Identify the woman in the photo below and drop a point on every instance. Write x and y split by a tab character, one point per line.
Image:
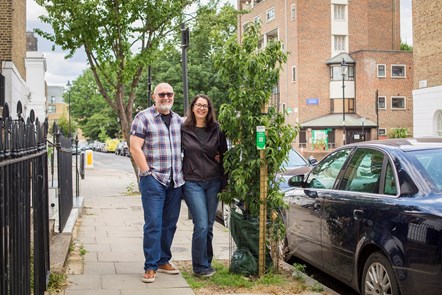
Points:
204	146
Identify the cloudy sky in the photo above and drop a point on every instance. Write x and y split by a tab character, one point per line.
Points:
61	70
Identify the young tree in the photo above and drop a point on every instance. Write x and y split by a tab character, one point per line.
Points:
118	38
252	74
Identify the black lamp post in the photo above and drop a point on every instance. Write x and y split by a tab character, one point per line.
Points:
69	108
344	68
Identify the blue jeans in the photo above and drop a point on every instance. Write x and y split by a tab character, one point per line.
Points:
202	201
161	207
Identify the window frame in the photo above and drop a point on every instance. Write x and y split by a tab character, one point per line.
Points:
404	100
341	13
382	131
52	109
257	19
385	70
293	12
341	42
398	76
271	17
385	102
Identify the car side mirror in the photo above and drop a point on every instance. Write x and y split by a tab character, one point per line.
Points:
312	161
296	181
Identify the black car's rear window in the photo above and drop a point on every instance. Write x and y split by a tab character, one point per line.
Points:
430	162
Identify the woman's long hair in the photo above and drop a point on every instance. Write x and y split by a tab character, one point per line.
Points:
210	118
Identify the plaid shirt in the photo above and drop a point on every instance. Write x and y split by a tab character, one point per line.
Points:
162	146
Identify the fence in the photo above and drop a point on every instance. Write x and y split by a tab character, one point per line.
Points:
24	218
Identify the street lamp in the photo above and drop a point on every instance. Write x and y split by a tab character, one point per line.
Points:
344	68
69	108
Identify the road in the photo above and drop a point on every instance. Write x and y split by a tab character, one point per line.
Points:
110	161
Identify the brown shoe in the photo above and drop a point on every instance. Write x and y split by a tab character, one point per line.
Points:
149	276
168	268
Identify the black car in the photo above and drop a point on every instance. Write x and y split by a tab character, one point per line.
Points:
370	215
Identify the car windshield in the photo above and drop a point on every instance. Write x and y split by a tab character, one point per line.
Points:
431	162
294	160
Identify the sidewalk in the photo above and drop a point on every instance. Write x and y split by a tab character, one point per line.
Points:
110	230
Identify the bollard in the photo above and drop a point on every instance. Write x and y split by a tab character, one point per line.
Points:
89	159
82	159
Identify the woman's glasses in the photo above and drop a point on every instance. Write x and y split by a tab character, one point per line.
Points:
201	106
163	94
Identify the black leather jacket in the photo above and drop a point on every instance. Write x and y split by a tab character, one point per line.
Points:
199	161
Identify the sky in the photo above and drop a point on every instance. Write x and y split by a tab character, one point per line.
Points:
61	70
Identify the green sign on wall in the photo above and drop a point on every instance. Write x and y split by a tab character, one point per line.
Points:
260	137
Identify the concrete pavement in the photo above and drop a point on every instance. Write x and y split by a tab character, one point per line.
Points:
110	230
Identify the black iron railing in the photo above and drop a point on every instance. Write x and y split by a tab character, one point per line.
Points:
24	219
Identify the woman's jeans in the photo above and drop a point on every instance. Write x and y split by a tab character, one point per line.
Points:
161	207
202	201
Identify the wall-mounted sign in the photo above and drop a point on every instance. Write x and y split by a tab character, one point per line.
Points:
312	101
260	137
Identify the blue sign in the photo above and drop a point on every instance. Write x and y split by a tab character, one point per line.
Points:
313	101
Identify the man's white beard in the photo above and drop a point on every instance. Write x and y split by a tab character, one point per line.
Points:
165	107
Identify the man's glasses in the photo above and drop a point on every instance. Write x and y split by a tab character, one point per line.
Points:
163	94
202	106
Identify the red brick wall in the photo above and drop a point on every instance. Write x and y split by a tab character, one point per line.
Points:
13	33
367	83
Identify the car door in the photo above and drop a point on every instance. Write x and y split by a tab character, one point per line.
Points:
303	225
345	208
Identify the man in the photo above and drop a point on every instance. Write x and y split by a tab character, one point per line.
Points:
155	145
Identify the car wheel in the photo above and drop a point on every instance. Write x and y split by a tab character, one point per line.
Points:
378	276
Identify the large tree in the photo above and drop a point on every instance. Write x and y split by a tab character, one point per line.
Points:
118	38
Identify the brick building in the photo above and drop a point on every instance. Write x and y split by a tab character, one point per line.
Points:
427	58
319	35
12	54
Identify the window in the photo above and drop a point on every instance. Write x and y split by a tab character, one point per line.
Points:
260	44
381	102
293	73
398	103
381	71
364	172
270	14
258	19
283	108
52	109
439	124
339	43
293	12
325	173
335	73
398	71
382	132
339	12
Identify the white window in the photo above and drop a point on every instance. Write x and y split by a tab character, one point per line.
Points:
339	43
260	44
439	124
381	71
398	71
294	73
270	14
398	103
245	25
382	132
339	12
258	19
381	103
293	12
51	109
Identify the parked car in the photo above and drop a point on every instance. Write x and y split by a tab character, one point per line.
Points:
370	215
296	164
122	149
76	150
110	145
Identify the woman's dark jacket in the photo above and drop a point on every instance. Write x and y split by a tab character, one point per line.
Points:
199	161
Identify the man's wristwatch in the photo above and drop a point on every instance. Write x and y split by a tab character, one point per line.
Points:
145	173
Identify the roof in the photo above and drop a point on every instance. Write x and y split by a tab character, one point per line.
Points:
337	59
410	144
335	121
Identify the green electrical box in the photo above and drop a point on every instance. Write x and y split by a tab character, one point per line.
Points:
260	137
